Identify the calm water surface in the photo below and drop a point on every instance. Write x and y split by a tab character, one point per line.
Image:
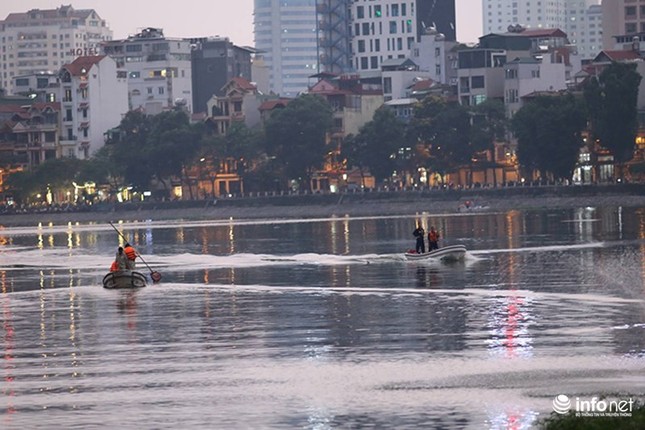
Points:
321	324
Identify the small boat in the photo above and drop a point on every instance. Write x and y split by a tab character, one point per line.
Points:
124	279
447	253
471	206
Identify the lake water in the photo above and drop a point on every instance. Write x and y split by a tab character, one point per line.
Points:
321	323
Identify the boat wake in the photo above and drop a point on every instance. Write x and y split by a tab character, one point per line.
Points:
24	258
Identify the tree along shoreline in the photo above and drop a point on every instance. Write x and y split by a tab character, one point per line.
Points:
372	203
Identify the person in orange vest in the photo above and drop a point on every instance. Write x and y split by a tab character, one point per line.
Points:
131	255
433	239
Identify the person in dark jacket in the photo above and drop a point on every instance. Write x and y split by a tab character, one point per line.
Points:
420	233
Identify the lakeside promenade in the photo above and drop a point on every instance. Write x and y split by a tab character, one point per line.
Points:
359	203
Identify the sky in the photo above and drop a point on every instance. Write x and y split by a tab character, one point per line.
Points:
203	18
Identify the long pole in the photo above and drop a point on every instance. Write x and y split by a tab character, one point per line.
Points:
154	275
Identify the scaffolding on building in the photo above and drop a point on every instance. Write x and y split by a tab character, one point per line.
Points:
334	20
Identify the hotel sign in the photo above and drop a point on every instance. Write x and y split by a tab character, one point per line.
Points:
84	52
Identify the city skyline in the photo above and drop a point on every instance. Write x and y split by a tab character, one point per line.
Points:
235	21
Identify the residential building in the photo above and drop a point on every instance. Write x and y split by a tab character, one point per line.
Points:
93	95
29	133
380	30
215	61
621	18
41	87
530	75
354	100
584	26
398	75
482	73
580	19
435	54
240	103
587	34
387	29
286	35
44	40
159	71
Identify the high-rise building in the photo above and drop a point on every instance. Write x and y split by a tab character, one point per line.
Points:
159	70
286	36
580	19
622	18
215	61
388	29
44	40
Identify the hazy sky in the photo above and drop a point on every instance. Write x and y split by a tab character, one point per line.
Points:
200	18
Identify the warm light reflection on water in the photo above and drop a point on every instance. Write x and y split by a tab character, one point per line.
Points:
322	323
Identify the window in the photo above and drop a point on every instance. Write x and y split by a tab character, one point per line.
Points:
392	27
361	46
387	85
360	12
464	85
481	98
477	82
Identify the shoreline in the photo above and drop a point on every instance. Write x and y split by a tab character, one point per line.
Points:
395	206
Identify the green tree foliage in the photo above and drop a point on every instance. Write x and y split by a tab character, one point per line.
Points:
488	124
612	102
240	143
55	174
296	136
444	127
157	146
548	130
376	145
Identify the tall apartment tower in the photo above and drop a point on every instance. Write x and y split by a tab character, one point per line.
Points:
286	36
622	18
44	40
159	70
578	18
387	29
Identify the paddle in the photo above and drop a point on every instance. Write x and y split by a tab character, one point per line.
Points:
154	275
